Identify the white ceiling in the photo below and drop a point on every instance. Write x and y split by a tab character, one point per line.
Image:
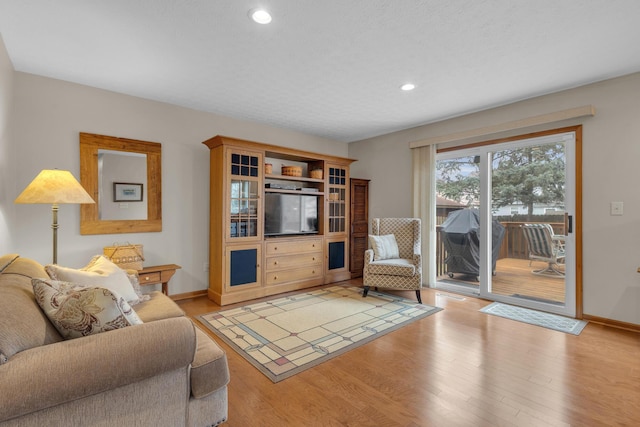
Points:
331	68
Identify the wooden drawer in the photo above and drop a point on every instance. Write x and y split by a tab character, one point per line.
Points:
303	273
292	261
289	247
149	278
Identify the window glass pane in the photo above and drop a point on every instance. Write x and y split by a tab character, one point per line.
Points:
253	189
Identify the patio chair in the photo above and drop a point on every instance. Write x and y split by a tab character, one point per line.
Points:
394	261
557	239
541	247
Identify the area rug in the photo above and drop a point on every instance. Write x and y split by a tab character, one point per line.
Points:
288	335
534	317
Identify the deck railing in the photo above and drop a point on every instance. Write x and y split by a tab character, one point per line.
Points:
513	245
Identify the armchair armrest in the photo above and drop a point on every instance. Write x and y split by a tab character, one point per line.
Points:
417	261
53	374
368	257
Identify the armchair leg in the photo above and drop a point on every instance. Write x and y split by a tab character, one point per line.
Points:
366	291
419	296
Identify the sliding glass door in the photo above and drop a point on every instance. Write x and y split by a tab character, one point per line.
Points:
505	214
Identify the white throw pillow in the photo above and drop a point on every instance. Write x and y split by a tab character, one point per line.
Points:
99	272
77	311
384	247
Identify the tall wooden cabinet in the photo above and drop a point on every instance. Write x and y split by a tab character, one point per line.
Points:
245	263
337	232
359	225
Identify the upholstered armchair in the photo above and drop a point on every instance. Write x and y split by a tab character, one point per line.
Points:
394	260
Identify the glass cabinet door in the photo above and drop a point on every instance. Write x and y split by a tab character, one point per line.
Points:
337	199
244	191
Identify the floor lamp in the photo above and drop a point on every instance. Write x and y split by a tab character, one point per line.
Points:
54	187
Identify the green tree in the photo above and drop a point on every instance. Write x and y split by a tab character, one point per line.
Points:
529	175
458	179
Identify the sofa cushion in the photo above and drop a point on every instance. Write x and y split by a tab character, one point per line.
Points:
393	267
98	272
23	325
384	247
78	311
209	370
158	307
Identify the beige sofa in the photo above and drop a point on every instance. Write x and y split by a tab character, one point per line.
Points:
165	372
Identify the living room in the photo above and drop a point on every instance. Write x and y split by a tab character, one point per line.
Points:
41	118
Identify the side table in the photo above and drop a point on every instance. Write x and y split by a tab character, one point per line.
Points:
158	274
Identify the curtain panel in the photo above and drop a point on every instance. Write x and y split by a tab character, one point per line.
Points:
424	206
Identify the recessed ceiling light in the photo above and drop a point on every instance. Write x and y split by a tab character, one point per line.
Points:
408	86
260	16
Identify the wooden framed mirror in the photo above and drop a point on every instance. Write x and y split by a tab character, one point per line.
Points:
111	214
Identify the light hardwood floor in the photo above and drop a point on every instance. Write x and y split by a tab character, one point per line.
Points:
458	367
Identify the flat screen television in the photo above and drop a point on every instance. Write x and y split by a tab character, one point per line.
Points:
290	214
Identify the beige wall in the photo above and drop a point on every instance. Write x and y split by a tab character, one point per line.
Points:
49	114
611	149
7	166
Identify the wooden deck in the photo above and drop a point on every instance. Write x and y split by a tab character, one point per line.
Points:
515	277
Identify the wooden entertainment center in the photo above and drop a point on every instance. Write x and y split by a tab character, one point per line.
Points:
244	263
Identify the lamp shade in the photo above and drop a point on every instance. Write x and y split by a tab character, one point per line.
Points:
54	186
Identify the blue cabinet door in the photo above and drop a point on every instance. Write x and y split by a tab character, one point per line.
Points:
243	267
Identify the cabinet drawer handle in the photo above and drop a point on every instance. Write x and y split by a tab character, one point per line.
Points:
275	248
275	263
313	272
275	277
313	258
147	278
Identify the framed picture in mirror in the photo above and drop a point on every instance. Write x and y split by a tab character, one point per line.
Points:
127	192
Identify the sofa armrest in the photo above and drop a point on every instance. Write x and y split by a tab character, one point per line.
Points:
53	374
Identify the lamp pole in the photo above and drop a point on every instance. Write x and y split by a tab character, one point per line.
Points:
54	226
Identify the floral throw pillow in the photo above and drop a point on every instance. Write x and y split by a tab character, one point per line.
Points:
77	311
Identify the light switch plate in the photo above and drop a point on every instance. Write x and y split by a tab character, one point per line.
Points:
617	208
